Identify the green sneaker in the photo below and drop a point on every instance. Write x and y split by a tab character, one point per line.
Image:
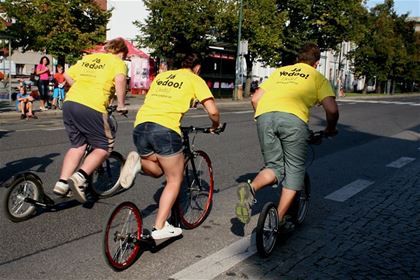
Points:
286	223
246	200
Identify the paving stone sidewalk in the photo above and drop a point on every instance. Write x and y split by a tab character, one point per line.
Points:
375	235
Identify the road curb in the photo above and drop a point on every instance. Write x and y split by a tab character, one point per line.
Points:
133	104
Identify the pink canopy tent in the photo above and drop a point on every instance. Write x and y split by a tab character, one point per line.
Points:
132	50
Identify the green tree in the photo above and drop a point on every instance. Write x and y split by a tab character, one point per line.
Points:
325	22
406	63
387	49
61	28
274	29
263	27
174	27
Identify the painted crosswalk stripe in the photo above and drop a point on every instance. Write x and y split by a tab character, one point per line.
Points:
219	262
54	128
380	102
401	162
349	190
243	112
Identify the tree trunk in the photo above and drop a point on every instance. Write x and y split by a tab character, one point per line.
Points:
247	90
61	60
379	87
364	90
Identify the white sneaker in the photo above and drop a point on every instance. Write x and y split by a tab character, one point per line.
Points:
167	231
78	184
131	167
61	188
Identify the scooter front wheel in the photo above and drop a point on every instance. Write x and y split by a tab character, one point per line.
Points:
121	235
267	230
21	191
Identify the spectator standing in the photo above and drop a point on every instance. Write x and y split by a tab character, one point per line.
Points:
43	72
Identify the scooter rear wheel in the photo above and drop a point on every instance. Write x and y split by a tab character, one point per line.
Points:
267	230
105	179
300	205
15	203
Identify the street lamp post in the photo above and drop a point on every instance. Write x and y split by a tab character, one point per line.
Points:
238	54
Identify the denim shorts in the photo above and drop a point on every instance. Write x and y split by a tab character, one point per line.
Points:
151	138
283	140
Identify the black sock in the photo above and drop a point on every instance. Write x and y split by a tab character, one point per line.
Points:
63	181
81	171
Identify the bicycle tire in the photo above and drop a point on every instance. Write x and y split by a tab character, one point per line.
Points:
121	235
113	123
267	230
16	209
60	103
300	206
196	194
105	179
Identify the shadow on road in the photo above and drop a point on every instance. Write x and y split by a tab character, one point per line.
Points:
26	164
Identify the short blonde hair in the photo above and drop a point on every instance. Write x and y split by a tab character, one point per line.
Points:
116	46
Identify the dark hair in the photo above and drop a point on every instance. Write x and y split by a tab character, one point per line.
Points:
42	58
59	66
309	54
116	46
191	60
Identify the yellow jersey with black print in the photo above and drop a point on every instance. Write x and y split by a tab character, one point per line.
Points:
170	96
293	89
93	77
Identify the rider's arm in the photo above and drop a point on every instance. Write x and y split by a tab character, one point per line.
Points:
69	80
331	113
256	97
212	111
120	88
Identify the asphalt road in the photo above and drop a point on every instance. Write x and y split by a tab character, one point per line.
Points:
67	244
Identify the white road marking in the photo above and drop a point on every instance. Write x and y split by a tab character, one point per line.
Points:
401	162
217	263
224	113
352	101
54	128
243	112
407	135
349	190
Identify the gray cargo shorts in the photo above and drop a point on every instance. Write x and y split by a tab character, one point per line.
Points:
283	141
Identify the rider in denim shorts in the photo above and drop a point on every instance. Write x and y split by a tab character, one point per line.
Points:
158	138
152	138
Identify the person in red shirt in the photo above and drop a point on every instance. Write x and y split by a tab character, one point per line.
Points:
59	83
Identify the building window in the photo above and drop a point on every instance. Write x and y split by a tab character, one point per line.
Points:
19	69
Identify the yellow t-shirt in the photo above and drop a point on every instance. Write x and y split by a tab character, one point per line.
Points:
293	89
170	96
93	77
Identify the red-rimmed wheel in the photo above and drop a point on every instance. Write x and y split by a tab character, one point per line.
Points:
195	198
121	236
